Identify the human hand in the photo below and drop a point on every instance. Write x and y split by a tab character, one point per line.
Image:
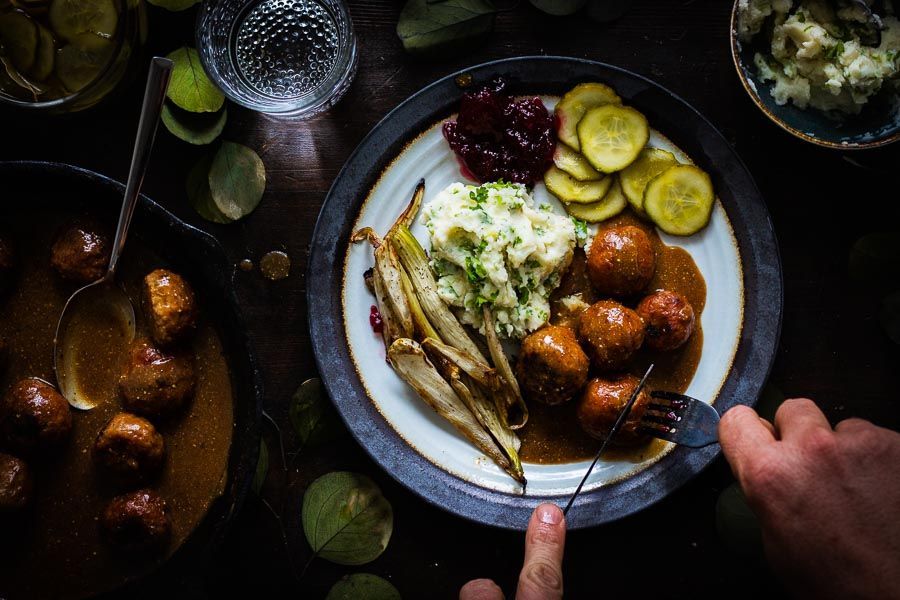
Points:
541	576
828	499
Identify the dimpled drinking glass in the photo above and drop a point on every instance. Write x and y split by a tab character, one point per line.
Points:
291	58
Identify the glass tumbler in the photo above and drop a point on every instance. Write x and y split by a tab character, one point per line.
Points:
291	58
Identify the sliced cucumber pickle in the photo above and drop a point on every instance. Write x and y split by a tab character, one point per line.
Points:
680	200
76	67
574	164
609	206
577	101
19	39
568	189
635	177
88	24
612	136
44	55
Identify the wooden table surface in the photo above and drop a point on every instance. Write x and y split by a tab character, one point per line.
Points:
832	348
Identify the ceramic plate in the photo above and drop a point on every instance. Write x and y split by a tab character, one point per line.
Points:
736	254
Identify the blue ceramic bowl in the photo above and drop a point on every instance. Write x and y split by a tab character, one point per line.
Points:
877	125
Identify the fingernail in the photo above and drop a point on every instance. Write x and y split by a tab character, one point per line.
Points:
550	514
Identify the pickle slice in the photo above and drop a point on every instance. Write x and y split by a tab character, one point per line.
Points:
88	24
44	55
649	163
76	67
609	206
574	164
612	136
680	199
568	189
571	108
19	39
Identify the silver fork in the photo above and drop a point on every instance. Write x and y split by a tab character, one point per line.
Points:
680	419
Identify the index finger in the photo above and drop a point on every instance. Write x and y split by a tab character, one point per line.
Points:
742	435
541	577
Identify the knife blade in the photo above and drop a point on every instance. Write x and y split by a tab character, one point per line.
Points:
612	432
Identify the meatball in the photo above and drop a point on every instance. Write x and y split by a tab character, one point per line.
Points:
129	448
621	261
611	333
169	306
7	263
156	382
16	483
603	401
552	366
34	416
81	253
669	318
137	521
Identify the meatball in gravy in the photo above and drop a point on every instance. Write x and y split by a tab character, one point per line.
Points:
669	318
16	484
611	334
81	253
169	305
129	448
621	261
34	416
156	382
137	521
552	366
603	401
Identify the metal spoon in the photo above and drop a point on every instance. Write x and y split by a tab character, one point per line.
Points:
104	298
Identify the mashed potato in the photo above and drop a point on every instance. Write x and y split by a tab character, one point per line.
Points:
816	56
491	245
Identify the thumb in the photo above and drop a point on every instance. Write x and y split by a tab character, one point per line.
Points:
541	577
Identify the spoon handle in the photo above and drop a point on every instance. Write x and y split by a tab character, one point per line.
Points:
154	96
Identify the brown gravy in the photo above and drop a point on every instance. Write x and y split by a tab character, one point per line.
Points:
54	550
553	434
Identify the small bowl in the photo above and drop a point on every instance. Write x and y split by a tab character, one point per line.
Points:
877	125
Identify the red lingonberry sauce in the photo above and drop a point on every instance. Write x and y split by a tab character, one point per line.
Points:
375	320
497	137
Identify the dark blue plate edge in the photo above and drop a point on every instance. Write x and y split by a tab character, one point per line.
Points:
755	354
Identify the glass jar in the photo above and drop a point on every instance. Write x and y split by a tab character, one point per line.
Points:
54	59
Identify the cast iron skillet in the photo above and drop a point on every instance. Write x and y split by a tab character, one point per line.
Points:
669	114
204	262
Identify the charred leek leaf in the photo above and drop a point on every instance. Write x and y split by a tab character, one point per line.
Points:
515	411
410	362
482	373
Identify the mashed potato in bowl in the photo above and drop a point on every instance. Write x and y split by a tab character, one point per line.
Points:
816	57
491	245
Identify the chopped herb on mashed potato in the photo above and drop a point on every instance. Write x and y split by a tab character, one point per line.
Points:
816	56
491	245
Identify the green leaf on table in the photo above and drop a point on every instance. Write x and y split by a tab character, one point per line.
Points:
199	194
363	586
194	128
346	519
174	5
189	87
442	28
889	316
312	415
738	527
559	7
262	467
875	261
237	180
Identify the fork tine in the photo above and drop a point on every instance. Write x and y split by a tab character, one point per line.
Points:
666	420
665	408
663	434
